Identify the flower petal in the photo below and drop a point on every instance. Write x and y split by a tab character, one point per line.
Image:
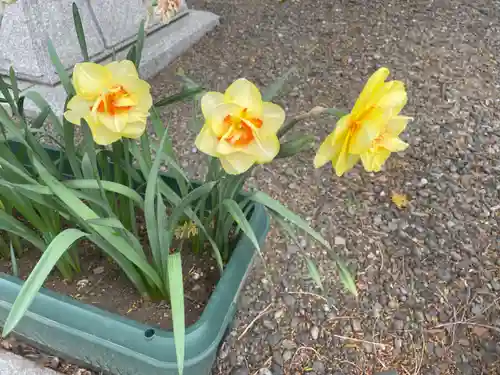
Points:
332	145
264	149
397	124
121	70
78	108
102	135
137	116
394	98
374	83
245	94
237	163
394	144
90	80
345	160
325	152
273	117
115	123
209	101
374	160
206	141
362	139
134	130
140	92
219	113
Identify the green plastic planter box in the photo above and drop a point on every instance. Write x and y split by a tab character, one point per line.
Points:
116	345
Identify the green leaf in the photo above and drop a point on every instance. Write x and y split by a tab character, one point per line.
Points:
139	45
149	205
167	152
295	146
346	278
313	272
176	289
83	213
336	112
274	88
183	95
44	106
108	186
276	206
132	54
189	199
63	74
239	217
37	277
13	260
109	222
13	83
285	225
4	89
128	268
80	33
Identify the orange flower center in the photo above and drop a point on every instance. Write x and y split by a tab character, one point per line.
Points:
114	102
240	128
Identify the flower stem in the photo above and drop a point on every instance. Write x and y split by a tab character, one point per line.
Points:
316	111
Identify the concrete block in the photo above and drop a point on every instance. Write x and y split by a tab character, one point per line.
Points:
11	364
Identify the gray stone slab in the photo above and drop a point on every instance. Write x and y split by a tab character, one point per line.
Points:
28	25
119	20
11	364
160	49
126	17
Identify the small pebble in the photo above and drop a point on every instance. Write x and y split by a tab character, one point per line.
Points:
288	344
98	270
287	355
314	332
339	241
356	325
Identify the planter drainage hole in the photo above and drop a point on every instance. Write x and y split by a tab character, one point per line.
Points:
149	333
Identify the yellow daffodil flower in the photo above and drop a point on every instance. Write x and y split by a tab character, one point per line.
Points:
379	103
388	141
240	129
112	98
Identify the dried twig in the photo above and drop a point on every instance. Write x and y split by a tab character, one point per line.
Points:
383	346
318	356
261	314
310	294
466	322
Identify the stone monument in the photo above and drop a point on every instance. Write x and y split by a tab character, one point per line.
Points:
110	27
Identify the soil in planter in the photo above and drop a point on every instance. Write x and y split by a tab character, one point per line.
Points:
101	283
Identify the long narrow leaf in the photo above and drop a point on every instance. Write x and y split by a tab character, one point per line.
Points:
108	186
346	278
63	74
109	222
176	289
183	95
313	272
12	225
130	270
149	205
276	206
83	212
80	33
13	260
139	45
239	217
13	84
167	152
270	92
37	277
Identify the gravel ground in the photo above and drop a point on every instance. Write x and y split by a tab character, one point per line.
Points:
429	274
